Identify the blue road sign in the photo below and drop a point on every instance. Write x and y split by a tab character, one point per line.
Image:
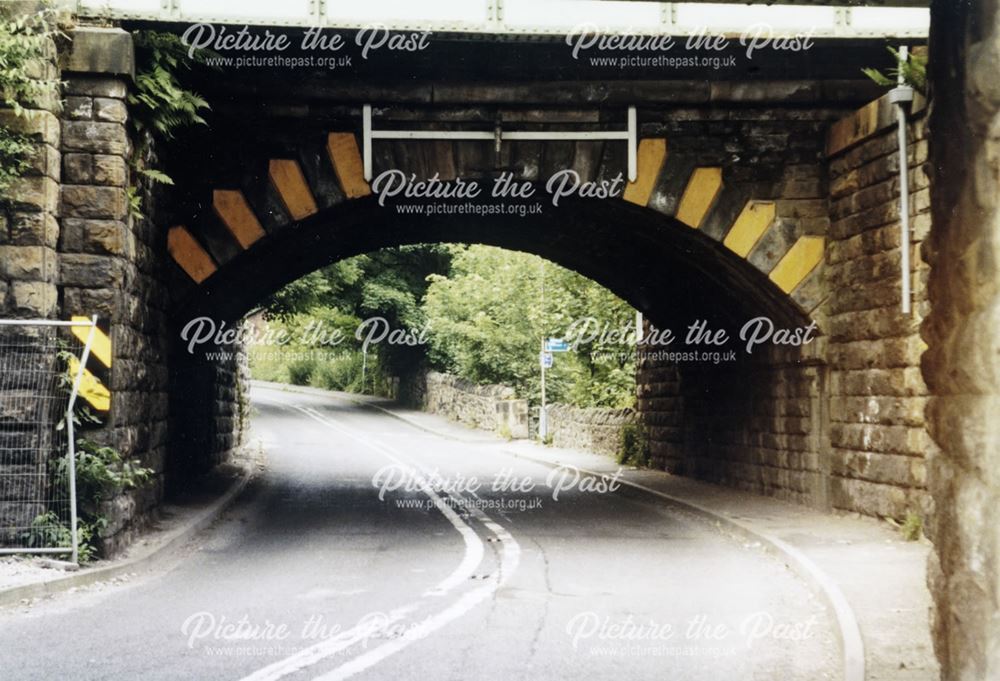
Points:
556	345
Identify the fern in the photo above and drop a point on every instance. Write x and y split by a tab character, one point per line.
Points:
156	176
160	105
913	68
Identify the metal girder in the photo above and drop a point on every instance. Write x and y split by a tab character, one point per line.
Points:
520	18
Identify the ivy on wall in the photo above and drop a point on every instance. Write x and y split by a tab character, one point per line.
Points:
24	45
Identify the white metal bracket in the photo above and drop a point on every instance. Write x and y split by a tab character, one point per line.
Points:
498	136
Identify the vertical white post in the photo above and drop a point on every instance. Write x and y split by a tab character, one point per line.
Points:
71	437
543	417
633	152
543	420
366	140
904	194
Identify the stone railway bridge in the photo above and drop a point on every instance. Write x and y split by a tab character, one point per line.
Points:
772	189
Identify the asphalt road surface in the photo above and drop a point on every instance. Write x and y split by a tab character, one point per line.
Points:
371	549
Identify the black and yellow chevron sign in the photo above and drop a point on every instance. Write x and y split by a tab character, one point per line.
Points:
97	373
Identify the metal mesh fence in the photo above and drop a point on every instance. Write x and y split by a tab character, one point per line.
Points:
36	498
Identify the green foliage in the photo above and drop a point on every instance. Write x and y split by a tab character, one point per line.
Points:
913	69
487	321
48	530
505	432
24	43
483	308
15	149
134	202
101	473
343	372
913	526
159	105
389	283
634	450
300	371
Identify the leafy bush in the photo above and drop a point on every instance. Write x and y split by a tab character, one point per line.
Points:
487	318
160	104
101	473
48	530
634	450
300	371
343	373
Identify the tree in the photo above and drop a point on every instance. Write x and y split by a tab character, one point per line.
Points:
487	321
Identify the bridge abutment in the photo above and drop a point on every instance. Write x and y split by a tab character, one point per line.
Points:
962	362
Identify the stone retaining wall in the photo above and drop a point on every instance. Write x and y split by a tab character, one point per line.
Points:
878	439
489	407
593	429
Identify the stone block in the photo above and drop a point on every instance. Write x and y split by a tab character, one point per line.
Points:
44	160
42	126
110	170
97	137
96	86
102	237
78	108
89	271
33	298
104	302
100	50
27	263
109	109
34	229
35	193
84	201
99	169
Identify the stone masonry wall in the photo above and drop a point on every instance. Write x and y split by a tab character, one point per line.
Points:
592	430
490	407
107	267
962	361
878	442
752	424
29	234
69	245
839	424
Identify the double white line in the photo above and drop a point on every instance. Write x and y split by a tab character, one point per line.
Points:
474	552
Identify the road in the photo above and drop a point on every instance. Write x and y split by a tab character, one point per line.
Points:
371	549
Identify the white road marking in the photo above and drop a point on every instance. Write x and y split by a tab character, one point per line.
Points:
508	564
472	558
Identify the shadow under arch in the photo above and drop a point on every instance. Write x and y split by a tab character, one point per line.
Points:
672	273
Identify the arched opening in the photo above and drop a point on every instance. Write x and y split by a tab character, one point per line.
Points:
661	266
750	420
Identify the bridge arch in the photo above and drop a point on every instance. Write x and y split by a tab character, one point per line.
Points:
681	242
